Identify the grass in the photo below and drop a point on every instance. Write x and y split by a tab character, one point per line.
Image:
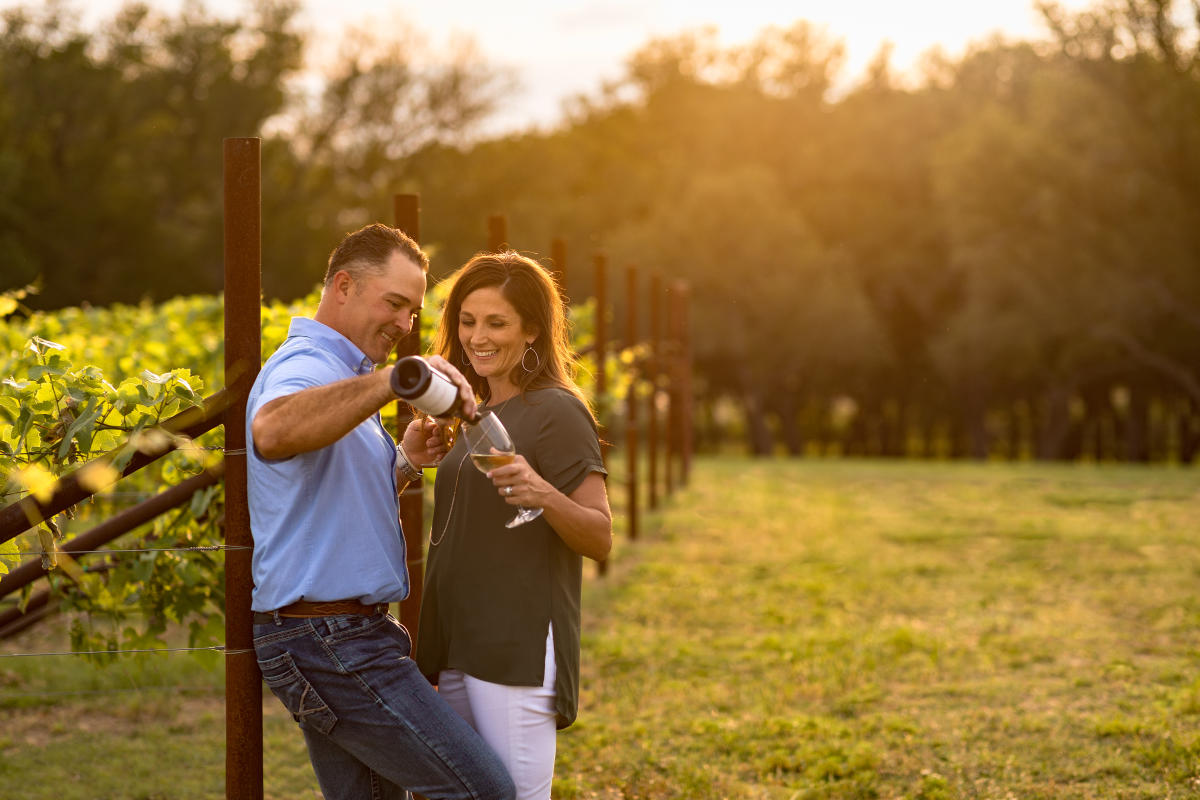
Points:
900	630
786	629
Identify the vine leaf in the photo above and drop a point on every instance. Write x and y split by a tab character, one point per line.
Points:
40	345
49	545
10	556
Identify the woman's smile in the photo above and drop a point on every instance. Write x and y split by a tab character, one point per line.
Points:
493	336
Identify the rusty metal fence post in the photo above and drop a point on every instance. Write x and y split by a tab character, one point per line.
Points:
631	402
558	268
600	280
406	209
243	358
497	233
653	360
685	381
674	396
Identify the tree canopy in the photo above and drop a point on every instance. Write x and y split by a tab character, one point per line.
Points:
1016	230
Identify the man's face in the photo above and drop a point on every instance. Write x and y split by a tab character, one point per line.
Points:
379	309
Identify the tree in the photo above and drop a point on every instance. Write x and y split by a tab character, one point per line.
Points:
1066	196
774	317
114	140
1145	57
342	153
110	151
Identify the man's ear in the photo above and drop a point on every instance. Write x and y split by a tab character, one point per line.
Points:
342	285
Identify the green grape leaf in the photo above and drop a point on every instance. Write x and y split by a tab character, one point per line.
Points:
82	424
10	556
10	408
39	345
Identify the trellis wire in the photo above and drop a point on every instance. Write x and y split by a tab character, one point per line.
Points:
220	648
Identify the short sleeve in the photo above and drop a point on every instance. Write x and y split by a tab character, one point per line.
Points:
291	372
568	446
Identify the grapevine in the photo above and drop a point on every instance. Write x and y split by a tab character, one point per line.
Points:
81	383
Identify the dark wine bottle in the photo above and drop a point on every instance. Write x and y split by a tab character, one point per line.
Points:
427	389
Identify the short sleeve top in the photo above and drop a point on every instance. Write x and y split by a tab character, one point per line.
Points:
491	592
325	522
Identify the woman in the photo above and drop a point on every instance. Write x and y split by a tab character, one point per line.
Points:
499	624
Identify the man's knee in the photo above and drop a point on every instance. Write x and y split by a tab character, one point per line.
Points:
500	784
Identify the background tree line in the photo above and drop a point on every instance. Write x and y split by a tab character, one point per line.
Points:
1000	256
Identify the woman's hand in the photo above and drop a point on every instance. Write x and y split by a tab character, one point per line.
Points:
519	485
581	519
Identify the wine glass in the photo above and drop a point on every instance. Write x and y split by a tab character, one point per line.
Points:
490	447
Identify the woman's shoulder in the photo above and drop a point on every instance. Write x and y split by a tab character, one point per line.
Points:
557	402
555	397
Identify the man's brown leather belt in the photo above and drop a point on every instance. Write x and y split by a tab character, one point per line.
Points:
329	608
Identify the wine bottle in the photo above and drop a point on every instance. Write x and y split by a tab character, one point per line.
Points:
427	389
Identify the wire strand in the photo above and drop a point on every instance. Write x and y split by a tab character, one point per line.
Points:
155	688
220	648
205	548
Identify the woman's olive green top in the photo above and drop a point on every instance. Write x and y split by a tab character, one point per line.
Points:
492	592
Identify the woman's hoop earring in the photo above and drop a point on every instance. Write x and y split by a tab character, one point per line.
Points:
465	359
538	359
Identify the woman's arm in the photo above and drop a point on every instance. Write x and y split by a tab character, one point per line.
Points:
581	519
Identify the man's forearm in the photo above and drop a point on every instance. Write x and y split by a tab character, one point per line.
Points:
314	418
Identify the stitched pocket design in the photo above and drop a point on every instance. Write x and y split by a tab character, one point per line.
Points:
297	695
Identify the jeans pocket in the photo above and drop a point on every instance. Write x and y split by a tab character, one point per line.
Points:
295	692
363	645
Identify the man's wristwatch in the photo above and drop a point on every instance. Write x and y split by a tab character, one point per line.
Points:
407	468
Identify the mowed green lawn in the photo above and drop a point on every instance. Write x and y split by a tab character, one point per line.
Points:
786	629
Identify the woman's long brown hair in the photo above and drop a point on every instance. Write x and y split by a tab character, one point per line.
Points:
533	293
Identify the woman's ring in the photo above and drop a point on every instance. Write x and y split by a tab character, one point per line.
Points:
508	491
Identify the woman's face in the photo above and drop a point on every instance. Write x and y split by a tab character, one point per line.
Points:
492	333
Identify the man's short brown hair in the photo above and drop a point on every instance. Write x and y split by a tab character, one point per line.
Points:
366	251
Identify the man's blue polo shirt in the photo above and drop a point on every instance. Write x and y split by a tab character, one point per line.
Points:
326	523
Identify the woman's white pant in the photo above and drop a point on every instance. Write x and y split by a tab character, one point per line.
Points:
518	722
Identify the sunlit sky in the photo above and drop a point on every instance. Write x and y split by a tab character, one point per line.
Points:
558	48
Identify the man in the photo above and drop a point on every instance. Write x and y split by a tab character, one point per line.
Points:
328	550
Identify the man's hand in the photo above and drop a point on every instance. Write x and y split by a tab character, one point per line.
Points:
423	441
464	387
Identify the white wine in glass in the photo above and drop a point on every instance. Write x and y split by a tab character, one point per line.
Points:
486	462
490	447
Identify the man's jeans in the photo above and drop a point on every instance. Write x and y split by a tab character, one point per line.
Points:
375	728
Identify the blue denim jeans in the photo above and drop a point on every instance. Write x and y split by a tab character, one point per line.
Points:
374	726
